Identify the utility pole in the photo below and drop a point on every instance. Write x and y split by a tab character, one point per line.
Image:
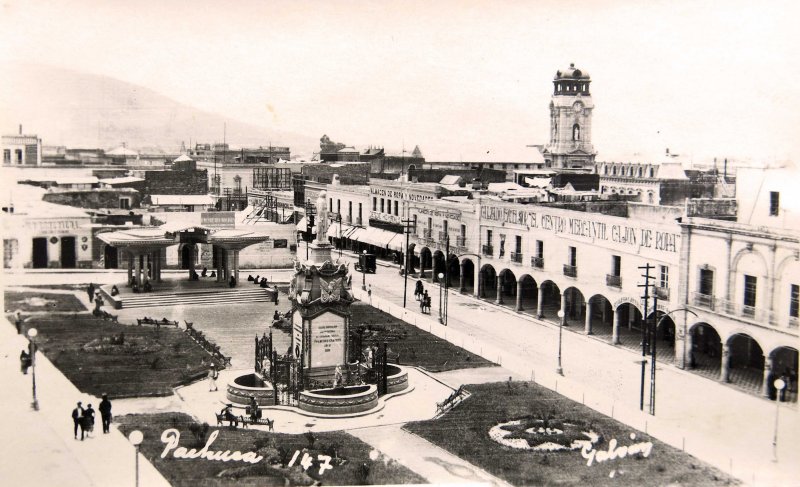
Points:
653	340
645	327
310	212
409	223
446	276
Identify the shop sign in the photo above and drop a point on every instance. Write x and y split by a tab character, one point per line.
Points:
400	194
218	219
55	227
449	214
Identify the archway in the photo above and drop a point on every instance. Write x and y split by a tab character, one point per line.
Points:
745	363
110	257
453	271
467	276
438	265
705	350
425	261
600	316
528	293
575	307
488	285
508	288
664	338
630	326
412	262
551	300
784	365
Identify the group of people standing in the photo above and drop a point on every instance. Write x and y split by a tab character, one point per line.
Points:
421	295
83	418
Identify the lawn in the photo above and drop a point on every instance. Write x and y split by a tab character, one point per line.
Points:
353	462
529	435
415	346
33	301
122	361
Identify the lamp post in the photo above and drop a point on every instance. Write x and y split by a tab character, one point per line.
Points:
561	315
779	384
441	314
653	355
136	438
32	332
364	270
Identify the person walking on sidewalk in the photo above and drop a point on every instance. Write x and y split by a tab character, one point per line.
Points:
105	412
369	293
90	292
213	375
24	361
88	420
418	290
18	321
77	418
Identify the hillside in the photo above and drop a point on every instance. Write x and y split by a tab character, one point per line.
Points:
84	110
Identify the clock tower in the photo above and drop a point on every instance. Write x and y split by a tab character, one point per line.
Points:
571	106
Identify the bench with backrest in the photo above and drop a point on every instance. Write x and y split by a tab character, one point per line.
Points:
156	323
451	401
248	420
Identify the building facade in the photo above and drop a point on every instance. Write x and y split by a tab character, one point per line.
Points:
571	107
21	150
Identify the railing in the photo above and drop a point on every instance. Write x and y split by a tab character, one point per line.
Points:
347	220
570	270
662	293
358	222
612	280
488	250
793	322
537	262
516	257
461	241
426	233
442	237
750	313
703	300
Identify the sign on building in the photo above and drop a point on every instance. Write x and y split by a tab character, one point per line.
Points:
218	219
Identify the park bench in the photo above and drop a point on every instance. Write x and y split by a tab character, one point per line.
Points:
156	323
216	353
247	420
108	316
221	418
452	400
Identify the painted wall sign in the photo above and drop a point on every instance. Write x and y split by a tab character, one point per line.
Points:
400	194
385	217
591	230
327	340
218	219
60	227
449	214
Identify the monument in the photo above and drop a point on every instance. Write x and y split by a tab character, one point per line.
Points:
324	371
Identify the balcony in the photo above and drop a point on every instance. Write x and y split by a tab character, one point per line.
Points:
703	300
443	237
537	262
570	270
358	222
611	280
348	219
426	234
461	241
488	250
662	293
793	322
516	257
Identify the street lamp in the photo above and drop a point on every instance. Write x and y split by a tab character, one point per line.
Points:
561	315
779	384
136	438
32	332
364	271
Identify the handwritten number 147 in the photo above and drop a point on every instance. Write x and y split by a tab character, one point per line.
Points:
307	461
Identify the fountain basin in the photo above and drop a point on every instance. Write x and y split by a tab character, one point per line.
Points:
340	400
396	379
243	387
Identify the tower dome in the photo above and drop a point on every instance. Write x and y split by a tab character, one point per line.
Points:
571	73
571	81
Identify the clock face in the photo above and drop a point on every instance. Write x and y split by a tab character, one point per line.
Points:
578	108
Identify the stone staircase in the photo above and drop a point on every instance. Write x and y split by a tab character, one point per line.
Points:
200	297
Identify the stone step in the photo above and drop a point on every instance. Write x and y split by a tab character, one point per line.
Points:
217	297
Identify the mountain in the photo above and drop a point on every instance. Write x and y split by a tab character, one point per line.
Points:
85	110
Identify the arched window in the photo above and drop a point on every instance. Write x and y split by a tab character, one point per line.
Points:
605	170
614	171
651	172
640	172
650	197
576	132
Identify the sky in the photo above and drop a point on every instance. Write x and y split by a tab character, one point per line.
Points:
464	80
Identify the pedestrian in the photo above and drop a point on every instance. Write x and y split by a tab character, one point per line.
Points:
418	290
90	292
77	418
425	301
213	375
24	361
421	305
105	412
18	321
369	293
88	419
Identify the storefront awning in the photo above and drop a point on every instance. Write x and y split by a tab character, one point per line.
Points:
375	236
333	230
301	226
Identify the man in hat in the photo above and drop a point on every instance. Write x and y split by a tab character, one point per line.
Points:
105	412
213	375
227	413
77	419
